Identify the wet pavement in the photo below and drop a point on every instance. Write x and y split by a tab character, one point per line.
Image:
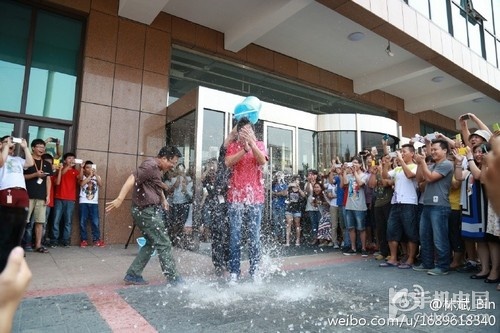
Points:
306	289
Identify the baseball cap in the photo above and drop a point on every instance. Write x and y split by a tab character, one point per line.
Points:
481	133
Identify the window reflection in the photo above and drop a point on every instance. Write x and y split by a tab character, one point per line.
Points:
484	8
213	134
336	143
180	133
464	27
52	84
475	37
439	13
421	6
306	150
14	25
489	42
459	25
6	128
372	139
11	86
51	94
279	148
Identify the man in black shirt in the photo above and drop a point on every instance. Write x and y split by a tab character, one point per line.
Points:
38	186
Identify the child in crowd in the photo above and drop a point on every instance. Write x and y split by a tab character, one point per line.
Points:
90	182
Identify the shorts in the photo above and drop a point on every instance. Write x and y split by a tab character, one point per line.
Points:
293	214
402	221
38	209
355	219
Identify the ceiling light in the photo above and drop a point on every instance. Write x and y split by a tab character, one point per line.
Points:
356	36
437	79
388	49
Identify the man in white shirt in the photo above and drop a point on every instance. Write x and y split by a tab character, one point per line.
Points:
403	215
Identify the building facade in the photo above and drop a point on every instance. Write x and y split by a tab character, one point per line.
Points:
80	72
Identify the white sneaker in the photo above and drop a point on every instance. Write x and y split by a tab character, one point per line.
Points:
233	279
336	245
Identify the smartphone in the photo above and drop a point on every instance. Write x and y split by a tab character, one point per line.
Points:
462	151
458	137
78	161
464	117
373	163
11	230
386	137
17	140
393	154
430	136
496	127
56	162
94	167
349	164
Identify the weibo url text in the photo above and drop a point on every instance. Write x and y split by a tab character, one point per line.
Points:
418	320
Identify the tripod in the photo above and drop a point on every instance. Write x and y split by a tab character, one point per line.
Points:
130	236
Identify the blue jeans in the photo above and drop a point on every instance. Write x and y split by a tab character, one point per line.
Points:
250	215
89	212
345	236
63	209
279	222
314	217
434	234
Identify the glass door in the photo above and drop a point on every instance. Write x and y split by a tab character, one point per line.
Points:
280	145
279	140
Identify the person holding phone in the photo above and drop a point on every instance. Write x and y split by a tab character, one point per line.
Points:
90	182
65	198
12	184
39	186
14	200
482	135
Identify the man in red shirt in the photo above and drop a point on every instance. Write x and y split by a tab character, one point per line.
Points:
245	195
65	198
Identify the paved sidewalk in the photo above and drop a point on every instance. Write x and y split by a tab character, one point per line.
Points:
304	289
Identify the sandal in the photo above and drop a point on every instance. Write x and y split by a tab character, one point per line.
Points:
387	264
42	250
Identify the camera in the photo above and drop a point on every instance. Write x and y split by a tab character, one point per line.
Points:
78	161
17	140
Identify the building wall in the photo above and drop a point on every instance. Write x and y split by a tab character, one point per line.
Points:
125	87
